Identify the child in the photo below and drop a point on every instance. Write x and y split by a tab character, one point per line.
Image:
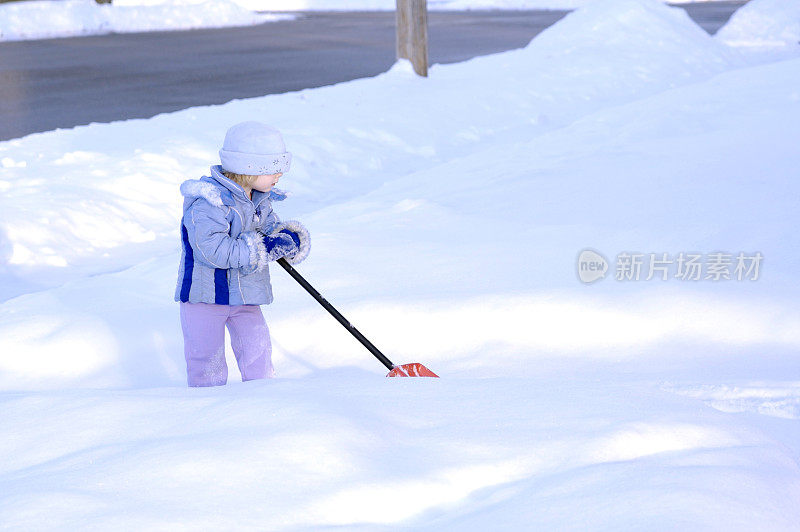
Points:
229	234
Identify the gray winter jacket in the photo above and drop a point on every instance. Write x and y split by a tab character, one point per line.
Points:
224	259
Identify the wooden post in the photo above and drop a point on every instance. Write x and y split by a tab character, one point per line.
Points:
412	33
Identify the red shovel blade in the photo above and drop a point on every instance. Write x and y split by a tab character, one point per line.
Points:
415	369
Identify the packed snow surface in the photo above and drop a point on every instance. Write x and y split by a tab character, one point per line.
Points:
447	215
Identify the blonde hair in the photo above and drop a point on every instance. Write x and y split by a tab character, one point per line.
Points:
243	180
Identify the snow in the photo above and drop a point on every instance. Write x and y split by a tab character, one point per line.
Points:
764	23
446	216
44	19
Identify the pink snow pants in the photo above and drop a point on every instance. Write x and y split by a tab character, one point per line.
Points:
204	342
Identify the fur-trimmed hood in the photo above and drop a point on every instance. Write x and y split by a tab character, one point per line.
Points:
218	190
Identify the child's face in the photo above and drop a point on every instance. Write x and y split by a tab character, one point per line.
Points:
264	183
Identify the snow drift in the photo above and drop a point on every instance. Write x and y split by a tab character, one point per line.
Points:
763	23
447	214
41	19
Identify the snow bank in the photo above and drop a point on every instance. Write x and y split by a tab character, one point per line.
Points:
446	214
41	19
763	23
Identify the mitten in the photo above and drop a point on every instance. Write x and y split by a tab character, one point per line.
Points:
294	236
280	245
300	237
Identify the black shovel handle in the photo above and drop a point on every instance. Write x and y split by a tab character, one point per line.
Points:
335	313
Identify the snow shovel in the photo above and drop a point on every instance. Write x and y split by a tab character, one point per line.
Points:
414	369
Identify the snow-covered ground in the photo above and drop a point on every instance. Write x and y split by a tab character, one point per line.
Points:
44	19
41	19
766	23
446	215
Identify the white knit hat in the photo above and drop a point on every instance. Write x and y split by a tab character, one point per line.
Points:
253	148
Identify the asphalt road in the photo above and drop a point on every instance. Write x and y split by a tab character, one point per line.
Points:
60	83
